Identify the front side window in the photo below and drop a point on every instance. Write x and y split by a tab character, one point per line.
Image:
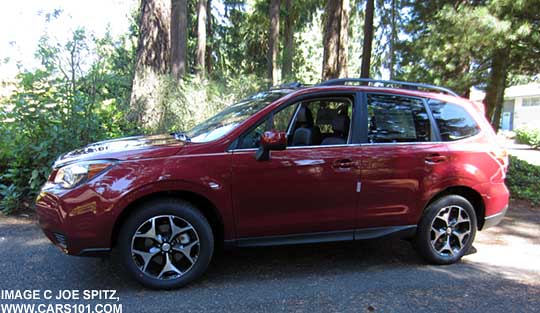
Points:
395	118
228	119
314	122
453	121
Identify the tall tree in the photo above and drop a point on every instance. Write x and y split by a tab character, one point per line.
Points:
335	39
152	61
178	37
210	38
288	47
200	53
273	42
368	39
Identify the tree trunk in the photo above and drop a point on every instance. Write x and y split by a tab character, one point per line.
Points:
152	62
178	37
335	39
343	39
368	39
288	51
273	42
200	53
210	36
496	86
393	37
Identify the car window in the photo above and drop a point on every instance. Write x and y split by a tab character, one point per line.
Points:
279	121
314	123
453	121
394	118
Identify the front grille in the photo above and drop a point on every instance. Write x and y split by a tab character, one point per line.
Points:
60	240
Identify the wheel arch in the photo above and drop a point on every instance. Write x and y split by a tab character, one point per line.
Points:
468	193
204	205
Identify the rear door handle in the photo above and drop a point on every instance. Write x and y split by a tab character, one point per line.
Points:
435	158
345	163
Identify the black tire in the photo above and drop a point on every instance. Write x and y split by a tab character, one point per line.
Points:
182	211
437	247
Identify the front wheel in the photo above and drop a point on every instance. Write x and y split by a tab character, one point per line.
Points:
166	244
447	229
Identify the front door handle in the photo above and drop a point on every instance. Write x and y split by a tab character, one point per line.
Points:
344	163
435	158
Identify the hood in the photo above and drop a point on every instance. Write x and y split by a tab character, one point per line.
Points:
127	148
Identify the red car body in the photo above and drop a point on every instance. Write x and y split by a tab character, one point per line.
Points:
301	194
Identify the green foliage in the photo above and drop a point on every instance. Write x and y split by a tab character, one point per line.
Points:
60	106
523	180
184	104
528	136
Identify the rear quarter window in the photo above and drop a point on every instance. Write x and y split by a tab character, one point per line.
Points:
453	121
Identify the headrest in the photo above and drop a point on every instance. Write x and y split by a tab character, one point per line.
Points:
340	124
304	116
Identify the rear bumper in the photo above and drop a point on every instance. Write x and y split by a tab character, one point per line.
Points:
494	219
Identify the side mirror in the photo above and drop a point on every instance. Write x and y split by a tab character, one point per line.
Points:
271	140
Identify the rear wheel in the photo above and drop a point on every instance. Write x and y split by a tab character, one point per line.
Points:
447	230
166	244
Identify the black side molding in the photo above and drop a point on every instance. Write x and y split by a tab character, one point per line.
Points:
405	231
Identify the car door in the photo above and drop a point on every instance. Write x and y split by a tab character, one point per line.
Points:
301	190
400	160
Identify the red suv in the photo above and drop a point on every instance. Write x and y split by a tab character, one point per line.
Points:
292	165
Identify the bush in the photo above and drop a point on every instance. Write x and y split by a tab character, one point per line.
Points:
523	180
529	136
57	108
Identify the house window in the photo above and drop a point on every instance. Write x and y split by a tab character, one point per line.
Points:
531	102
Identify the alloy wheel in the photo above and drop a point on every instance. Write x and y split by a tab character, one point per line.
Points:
450	231
165	247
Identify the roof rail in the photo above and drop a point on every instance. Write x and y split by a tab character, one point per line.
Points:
291	85
344	81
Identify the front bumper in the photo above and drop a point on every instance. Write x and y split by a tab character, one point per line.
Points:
75	227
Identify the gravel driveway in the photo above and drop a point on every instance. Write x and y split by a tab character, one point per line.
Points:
501	274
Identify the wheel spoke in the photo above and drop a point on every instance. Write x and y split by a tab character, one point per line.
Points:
438	234
151	233
461	219
445	217
460	236
446	246
175	230
169	267
146	256
186	250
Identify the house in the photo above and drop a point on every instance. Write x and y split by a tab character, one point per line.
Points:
521	106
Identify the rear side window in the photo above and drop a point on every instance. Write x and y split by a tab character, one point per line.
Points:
454	121
395	118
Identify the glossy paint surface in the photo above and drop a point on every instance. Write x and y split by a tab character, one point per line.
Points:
298	190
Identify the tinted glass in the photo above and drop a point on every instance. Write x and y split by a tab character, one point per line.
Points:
227	120
453	120
397	119
280	122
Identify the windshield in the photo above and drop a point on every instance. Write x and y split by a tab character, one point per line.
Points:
225	121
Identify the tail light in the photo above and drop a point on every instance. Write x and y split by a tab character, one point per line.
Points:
501	155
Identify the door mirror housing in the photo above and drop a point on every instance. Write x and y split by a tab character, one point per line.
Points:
271	140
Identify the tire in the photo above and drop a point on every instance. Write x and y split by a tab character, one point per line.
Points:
172	255
447	230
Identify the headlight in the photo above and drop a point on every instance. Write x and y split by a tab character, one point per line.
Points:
72	175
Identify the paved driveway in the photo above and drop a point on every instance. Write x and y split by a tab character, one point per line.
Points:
502	274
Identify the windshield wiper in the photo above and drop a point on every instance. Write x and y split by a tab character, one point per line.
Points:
181	136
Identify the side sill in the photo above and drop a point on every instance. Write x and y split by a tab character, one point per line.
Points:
406	231
95	252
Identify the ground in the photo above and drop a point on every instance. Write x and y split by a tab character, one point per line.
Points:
501	274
